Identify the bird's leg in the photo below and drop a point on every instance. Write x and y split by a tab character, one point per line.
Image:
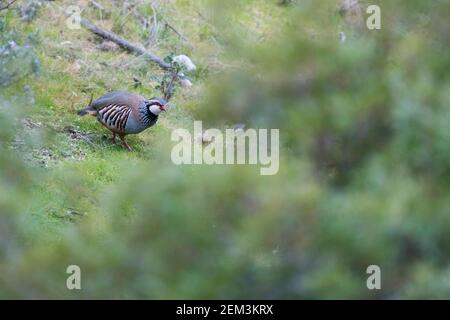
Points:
114	138
125	144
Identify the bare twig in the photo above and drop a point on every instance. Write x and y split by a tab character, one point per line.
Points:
75	212
168	91
153	31
74	134
174	30
7	5
97	5
154	20
124	44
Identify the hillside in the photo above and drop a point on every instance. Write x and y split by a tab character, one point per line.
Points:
363	159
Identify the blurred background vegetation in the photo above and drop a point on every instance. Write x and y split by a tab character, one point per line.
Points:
365	152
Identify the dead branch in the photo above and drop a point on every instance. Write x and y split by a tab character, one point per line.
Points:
153	31
7	5
124	43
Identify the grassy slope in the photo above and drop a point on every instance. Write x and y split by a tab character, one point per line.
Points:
73	68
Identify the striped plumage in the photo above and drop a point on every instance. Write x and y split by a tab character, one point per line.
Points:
114	117
125	113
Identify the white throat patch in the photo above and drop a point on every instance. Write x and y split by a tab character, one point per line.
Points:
154	108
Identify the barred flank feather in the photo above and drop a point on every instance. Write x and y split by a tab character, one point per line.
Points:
114	116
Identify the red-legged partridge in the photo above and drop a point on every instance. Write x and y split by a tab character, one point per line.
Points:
125	113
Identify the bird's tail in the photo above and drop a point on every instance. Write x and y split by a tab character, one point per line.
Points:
87	110
84	111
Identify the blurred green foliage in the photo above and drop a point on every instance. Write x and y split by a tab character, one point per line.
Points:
17	60
364	173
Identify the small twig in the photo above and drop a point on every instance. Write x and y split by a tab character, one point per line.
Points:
74	134
153	32
7	5
168	91
96	4
75	212
168	25
202	16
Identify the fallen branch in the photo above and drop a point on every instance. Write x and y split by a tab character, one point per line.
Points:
174	72
124	44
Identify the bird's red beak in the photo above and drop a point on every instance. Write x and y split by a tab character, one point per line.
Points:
163	108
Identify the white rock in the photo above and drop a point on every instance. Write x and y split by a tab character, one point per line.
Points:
186	83
186	61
